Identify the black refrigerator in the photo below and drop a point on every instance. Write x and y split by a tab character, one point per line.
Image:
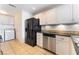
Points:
32	26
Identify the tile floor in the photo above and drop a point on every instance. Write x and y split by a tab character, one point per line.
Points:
14	47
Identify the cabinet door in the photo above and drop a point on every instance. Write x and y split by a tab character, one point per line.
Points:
62	48
40	39
51	16
41	17
64	13
62	45
76	12
47	17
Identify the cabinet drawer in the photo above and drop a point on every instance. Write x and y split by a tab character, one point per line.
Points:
62	38
64	13
62	48
62	45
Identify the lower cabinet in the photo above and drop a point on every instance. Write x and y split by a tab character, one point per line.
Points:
61	45
64	46
39	39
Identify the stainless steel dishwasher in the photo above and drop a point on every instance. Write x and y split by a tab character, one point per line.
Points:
49	42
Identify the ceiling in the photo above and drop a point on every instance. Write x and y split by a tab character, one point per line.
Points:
35	8
10	10
32	8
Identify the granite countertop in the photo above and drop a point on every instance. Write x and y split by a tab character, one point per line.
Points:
63	33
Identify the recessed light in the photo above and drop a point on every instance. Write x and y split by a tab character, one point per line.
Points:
33	8
3	12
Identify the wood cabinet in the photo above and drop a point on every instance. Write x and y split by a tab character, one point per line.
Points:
64	13
40	39
64	45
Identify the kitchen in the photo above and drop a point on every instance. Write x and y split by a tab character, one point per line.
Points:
57	30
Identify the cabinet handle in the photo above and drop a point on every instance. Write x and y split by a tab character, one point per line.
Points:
60	39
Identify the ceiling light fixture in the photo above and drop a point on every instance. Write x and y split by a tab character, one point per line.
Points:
33	8
3	12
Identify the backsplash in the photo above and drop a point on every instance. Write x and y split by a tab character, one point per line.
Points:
74	27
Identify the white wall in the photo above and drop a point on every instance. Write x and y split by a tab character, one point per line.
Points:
18	25
20	18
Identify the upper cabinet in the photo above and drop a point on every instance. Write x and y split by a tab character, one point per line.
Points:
47	17
41	16
51	16
76	12
64	13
